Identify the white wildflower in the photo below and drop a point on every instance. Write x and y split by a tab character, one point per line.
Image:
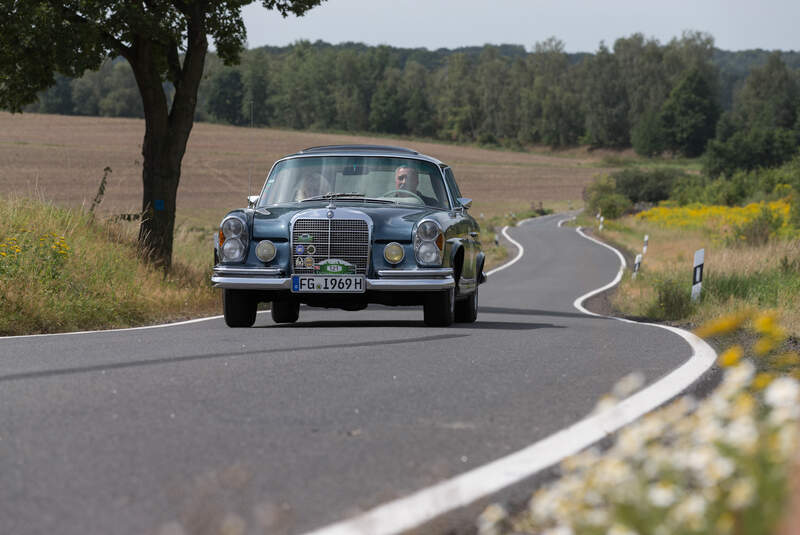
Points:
628	385
596	517
559	530
711	431
783	392
741	494
736	378
631	441
782	415
490	522
619	529
786	441
662	494
690	512
742	433
612	472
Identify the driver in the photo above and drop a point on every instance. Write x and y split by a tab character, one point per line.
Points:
407	178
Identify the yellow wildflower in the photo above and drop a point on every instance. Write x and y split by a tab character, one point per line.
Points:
731	356
762	380
765	345
719	326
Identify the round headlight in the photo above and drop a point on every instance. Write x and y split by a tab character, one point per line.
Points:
232	249
428	253
232	227
393	253
265	250
428	230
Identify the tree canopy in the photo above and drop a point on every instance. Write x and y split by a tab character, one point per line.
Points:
163	41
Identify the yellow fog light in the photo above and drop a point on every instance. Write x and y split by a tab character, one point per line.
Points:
265	250
393	253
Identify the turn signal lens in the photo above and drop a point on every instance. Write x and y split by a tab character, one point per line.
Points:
265	250
393	253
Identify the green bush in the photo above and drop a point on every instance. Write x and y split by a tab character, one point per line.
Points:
749	149
647	185
603	197
759	230
674	299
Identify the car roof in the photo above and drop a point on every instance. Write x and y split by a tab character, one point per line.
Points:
363	150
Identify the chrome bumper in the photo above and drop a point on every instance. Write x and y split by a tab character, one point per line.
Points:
239	278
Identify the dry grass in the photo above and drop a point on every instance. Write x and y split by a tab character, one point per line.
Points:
63	159
770	270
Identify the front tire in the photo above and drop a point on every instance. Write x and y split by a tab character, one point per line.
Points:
285	311
467	310
438	308
239	308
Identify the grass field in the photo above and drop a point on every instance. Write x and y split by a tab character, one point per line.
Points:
62	159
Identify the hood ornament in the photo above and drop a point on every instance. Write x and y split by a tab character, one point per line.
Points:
331	205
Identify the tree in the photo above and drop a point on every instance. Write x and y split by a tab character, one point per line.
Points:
769	97
226	97
689	116
162	40
606	102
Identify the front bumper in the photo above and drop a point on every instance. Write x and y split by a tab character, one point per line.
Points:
424	279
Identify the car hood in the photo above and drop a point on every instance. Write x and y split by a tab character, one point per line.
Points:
389	222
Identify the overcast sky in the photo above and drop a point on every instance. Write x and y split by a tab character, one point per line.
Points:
580	24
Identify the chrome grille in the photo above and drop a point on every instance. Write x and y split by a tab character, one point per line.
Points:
349	241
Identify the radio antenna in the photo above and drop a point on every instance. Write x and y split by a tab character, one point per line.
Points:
250	170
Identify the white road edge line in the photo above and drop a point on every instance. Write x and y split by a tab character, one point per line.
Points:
425	505
143	327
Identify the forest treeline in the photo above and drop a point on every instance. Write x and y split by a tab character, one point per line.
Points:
682	97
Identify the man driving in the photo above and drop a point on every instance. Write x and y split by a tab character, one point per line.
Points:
407	179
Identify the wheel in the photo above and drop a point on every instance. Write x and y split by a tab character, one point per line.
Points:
239	308
285	311
438	308
467	309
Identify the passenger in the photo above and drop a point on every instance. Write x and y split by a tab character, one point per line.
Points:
407	179
311	185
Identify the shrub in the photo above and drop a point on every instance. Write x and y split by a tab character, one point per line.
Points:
602	197
758	230
674	299
647	185
749	149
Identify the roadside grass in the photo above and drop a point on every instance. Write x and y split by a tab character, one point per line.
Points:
737	275
62	270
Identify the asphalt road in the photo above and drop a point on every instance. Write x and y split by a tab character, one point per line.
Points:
290	428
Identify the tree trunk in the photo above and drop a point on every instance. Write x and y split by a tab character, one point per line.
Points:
166	133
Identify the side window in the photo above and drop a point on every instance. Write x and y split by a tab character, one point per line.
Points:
451	184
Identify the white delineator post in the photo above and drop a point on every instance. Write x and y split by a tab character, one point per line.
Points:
636	264
601	223
644	249
697	273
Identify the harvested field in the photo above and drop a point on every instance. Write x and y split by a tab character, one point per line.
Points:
61	159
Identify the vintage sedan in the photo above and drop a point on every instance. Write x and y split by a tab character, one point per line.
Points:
348	225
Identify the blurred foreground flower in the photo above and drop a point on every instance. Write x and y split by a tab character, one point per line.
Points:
720	465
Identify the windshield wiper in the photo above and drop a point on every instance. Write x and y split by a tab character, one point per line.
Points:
329	196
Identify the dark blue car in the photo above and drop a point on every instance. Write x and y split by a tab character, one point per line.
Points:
348	225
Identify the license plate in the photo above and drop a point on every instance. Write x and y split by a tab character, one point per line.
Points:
328	283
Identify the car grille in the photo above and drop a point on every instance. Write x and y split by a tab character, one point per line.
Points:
343	239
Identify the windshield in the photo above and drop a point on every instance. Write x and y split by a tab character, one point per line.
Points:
376	179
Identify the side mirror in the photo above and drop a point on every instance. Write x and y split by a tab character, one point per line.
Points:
252	200
465	202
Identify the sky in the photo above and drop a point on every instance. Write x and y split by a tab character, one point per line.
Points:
580	24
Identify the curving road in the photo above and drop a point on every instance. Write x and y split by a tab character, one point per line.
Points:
289	429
